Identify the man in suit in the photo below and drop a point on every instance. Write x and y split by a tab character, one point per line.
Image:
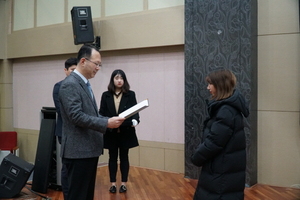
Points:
83	127
70	65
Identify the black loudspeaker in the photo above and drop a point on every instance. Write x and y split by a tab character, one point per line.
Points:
14	173
82	25
43	158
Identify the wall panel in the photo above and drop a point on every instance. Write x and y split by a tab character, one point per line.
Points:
220	34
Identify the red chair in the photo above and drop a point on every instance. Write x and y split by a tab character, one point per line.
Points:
9	141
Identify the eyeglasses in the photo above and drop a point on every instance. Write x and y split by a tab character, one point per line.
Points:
97	65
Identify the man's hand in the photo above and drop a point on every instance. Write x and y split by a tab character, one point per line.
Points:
115	122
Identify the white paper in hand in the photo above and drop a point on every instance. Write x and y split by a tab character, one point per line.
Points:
135	109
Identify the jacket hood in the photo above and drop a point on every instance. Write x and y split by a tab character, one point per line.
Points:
236	100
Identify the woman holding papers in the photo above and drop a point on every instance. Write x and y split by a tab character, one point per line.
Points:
118	141
222	153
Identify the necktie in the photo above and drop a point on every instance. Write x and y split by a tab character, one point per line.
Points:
90	88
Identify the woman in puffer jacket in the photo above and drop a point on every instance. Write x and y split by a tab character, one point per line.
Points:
222	152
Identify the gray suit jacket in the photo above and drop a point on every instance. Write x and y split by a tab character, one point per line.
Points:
83	127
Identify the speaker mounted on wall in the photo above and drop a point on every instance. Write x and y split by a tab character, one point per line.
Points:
82	25
14	173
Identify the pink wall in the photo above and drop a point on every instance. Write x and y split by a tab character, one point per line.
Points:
156	76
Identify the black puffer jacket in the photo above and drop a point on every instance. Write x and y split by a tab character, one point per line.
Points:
222	154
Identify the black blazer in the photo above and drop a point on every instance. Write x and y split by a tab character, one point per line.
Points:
126	137
58	127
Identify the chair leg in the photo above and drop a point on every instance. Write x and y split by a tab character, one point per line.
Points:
15	152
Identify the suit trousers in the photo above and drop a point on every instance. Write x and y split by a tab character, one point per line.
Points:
113	163
81	177
64	181
64	176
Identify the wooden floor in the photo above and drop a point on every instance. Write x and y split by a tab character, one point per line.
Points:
148	184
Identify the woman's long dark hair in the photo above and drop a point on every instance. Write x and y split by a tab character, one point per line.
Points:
111	86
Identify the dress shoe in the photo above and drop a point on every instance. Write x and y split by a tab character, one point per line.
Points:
123	189
113	189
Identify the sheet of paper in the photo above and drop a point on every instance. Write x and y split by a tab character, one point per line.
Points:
135	109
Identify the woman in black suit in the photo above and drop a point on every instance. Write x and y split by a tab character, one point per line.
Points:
118	141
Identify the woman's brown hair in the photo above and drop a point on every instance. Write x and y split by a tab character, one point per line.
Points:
224	81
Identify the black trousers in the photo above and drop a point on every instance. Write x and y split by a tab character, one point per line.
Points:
81	177
64	181
64	176
113	163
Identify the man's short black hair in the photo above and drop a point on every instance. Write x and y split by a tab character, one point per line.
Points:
86	51
70	62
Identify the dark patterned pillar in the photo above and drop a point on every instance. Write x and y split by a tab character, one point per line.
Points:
220	34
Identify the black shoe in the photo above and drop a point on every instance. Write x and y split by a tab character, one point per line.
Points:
123	189
113	189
